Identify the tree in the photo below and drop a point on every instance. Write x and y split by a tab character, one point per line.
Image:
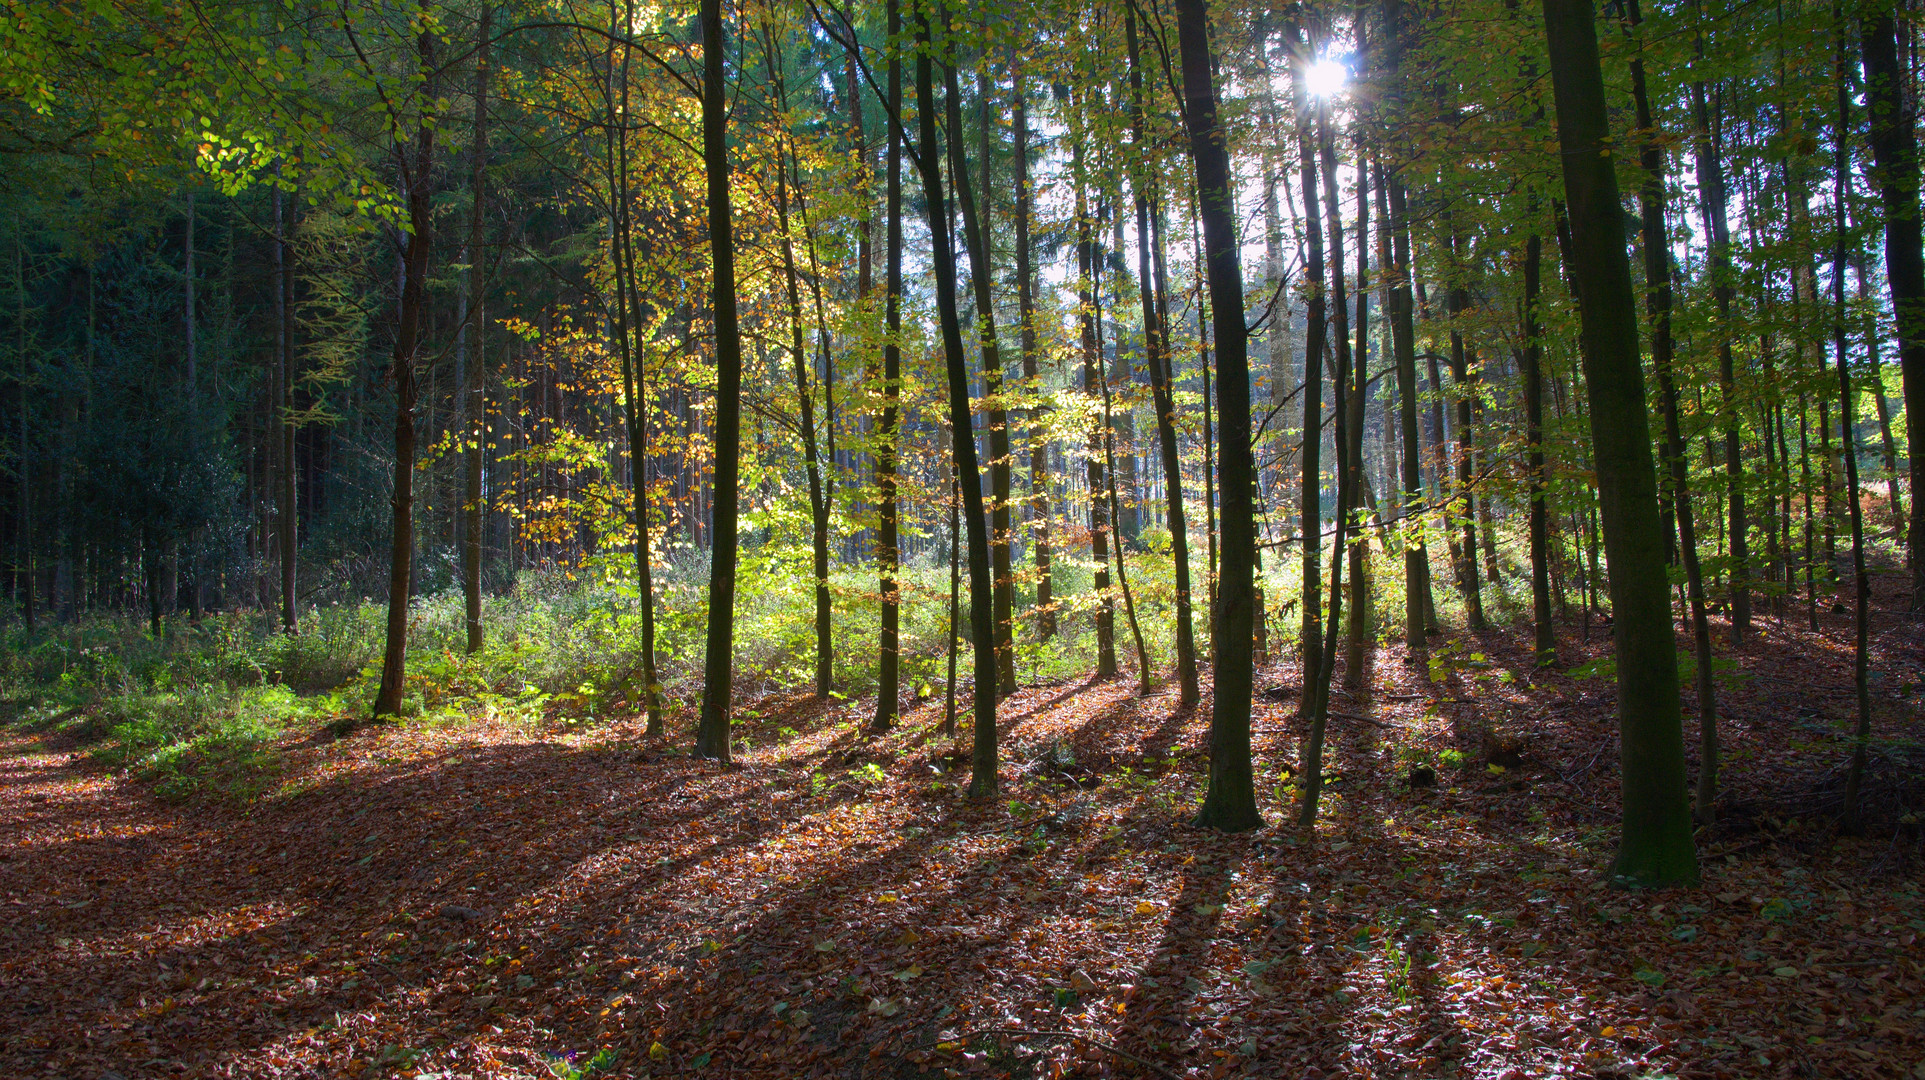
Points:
982	777
1894	143
415	166
1230	804
1655	845
718	669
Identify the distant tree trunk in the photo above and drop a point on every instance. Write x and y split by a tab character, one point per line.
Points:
818	504
955	601
712	733
1357	640
1875	369
188	323
286	520
1711	184
1099	514
1032	374
1656	843
1230	803
471	411
1348	429
976	240
417	171
1149	258
1894	142
628	303
1861	581
1394	241
1109	473
983	756
888	549
25	567
1657	303
1457	301
1311	490
1531	357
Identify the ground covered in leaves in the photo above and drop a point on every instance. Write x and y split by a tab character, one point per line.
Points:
494	901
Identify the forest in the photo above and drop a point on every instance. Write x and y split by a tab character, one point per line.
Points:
1181	538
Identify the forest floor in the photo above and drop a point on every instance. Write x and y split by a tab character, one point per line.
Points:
511	901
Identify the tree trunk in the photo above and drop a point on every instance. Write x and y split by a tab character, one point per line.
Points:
1861	581
888	550
976	240
628	298
1656	843
1657	303
1156	346
285	521
1711	183
1032	375
805	403
1357	640
1310	513
24	567
472	411
417	173
1531	358
1895	150
983	757
1094	473
1457	301
1393	244
1230	804
718	667
1875	369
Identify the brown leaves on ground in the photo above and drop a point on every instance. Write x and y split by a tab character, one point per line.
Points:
500	902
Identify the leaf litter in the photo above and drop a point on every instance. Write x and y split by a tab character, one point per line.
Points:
507	901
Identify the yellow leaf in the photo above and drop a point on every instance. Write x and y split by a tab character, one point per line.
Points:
1146	908
657	1052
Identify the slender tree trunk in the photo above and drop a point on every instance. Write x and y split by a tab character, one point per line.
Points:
1656	844
1894	142
283	407
1230	803
1458	301
25	567
472	410
1875	369
976	240
417	170
1109	473
1657	305
955	601
628	302
1099	514
1861	581
983	757
1394	241
1310	513
712	733
1711	183
1032	374
1149	258
805	403
1531	357
888	540
1357	640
